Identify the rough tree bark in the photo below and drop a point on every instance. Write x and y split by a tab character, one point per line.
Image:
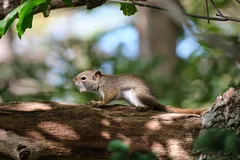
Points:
224	114
42	130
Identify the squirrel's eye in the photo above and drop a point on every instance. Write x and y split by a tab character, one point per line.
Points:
83	78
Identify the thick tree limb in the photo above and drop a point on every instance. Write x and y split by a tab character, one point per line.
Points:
46	130
35	130
219	18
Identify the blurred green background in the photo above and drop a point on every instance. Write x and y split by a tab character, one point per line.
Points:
185	65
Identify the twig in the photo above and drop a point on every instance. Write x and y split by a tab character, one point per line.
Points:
207	10
225	18
229	18
219	12
238	1
210	18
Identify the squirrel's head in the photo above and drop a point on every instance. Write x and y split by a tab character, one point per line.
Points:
88	81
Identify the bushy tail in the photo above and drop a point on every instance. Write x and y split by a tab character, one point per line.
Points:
171	109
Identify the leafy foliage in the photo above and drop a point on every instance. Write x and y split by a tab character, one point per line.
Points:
8	20
25	14
119	150
26	10
128	9
218	140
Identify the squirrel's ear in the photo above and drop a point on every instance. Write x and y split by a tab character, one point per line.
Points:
97	75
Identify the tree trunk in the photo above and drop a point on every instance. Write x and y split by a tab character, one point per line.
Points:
224	114
158	34
37	130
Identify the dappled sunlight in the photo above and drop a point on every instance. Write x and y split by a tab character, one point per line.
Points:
5	4
105	122
167	122
35	135
105	135
31	107
169	116
60	131
3	134
158	149
153	125
175	149
27	106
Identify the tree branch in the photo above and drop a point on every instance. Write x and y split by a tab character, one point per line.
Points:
55	4
207	10
214	5
225	18
39	129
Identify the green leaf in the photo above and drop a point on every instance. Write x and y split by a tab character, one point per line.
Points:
117	145
26	15
118	156
6	23
68	2
24	24
143	156
128	9
8	20
119	150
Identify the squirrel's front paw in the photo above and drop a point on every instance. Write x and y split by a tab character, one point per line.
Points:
94	103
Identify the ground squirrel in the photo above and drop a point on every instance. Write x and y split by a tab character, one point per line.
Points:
128	87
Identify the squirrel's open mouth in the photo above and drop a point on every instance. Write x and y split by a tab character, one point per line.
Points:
82	89
80	86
